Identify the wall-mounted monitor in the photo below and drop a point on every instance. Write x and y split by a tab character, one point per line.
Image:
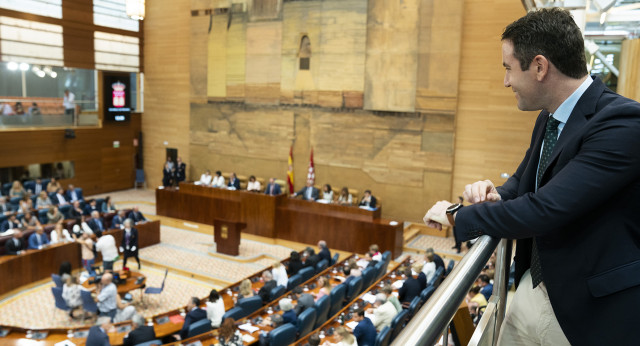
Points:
117	96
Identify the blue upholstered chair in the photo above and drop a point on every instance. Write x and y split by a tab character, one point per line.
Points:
336	257
426	293
236	313
322	306
354	288
60	303
450	267
337	296
199	327
276	292
384	337
250	305
283	335
56	280
306	273
306	321
368	277
322	265
157	290
88	304
398	322
294	281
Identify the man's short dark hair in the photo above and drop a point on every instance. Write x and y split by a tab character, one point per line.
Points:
346	270
484	278
195	301
360	312
314	340
552	33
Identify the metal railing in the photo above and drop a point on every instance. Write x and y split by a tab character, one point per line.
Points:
433	319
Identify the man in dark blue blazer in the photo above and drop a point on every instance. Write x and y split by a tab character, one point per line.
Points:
234	182
11	223
365	332
139	332
118	220
136	215
194	315
573	201
38	239
273	188
96	223
98	334
324	251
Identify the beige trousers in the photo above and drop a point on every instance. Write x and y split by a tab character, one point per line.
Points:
530	319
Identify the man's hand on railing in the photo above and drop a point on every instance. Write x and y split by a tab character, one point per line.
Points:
436	217
481	191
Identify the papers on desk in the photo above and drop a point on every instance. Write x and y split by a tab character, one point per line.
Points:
65	343
352	325
248	338
369	298
397	284
362	263
247	327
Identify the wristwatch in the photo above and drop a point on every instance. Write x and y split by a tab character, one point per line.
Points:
452	210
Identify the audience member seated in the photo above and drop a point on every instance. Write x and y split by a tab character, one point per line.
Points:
60	234
295	264
181	171
234	182
253	185
245	290
96	223
71	294
355	269
229	334
194	315
19	110
53	185
345	198
168	174
86	248
60	197
274	321
43	201
324	252
388	291
365	331
436	258
215	308
205	178
118	220
269	284
107	296
273	188
34	109
279	274
25	204
129	243
107	206
325	287
416	270
374	250
136	216
475	301
304	300
38	239
308	193
17	190
369	260
90	207
429	268
344	337
410	288
76	212
72	194
98	334
383	312
139	333
5	207
54	215
106	244
126	310
6	109
218	180
30	221
314	339
327	194
486	287
368	200
288	315
310	258
346	270
11	222
15	245
38	187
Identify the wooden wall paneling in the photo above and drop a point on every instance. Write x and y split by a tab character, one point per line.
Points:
492	135
166	53
392	55
264	49
198	55
629	80
217	57
78	48
235	49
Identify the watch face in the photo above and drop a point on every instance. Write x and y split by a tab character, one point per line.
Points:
452	208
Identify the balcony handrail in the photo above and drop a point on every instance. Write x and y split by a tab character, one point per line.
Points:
428	324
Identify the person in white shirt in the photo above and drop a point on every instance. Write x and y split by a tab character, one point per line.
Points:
107	296
107	246
218	180
429	268
205	178
383	313
6	109
253	184
69	102
280	274
60	235
327	194
60	197
215	309
71	294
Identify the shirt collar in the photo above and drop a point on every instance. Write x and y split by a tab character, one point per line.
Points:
564	111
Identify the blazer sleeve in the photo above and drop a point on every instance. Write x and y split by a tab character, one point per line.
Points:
606	162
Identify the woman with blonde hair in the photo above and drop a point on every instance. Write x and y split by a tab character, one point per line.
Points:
344	337
59	234
17	190
245	290
325	287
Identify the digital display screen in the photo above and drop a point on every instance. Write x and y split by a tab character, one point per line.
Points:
117	96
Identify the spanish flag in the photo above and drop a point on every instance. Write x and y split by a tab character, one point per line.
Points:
290	171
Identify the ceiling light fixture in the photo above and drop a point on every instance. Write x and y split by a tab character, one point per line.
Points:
135	9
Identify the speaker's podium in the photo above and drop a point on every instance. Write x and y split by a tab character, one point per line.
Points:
226	234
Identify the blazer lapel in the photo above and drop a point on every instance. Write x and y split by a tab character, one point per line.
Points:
583	110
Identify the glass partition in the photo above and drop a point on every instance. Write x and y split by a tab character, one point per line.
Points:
58	170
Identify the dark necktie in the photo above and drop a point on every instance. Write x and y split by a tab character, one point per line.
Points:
550	139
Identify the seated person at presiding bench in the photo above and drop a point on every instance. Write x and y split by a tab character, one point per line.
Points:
272	188
205	178
368	200
15	244
234	182
308	193
218	180
254	185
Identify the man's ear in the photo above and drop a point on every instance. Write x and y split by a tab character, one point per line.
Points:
541	65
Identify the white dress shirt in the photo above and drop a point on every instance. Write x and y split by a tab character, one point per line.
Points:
107	246
205	179
218	181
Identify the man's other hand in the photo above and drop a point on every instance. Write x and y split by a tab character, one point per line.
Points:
481	191
436	217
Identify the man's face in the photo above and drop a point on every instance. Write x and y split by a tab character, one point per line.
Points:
523	83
